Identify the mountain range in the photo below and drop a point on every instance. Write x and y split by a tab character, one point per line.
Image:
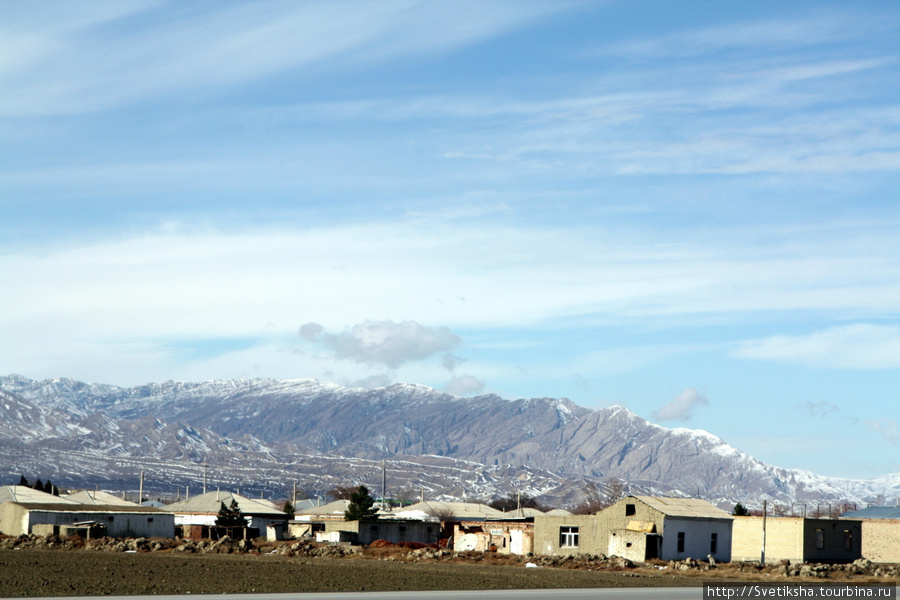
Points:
263	435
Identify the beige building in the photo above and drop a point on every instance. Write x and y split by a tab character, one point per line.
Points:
641	528
881	540
797	539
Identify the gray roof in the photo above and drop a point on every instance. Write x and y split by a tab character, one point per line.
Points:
211	502
684	507
98	497
22	494
874	512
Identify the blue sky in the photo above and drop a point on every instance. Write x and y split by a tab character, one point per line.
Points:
686	208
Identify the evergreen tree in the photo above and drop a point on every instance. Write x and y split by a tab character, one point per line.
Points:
361	505
38	485
289	509
23	481
48	487
740	510
230	516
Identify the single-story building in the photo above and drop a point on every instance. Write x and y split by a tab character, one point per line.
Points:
195	517
506	535
641	528
797	539
24	511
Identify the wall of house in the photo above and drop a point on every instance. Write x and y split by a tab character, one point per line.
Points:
784	539
420	532
834	535
13	519
17	519
881	540
698	534
636	546
592	536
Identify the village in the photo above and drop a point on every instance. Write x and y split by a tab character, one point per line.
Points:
634	529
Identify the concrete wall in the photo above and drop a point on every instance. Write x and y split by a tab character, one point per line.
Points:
881	540
17	519
421	532
796	539
592	535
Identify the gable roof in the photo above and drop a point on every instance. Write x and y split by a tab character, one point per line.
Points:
684	507
454	510
98	497
22	494
211	502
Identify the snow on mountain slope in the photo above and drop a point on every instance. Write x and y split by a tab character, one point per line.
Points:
230	421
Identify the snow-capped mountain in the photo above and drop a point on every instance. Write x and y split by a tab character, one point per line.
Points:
262	431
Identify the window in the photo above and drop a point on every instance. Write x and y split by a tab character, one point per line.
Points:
428	529
373	528
820	539
149	519
403	529
680	541
629	510
713	543
568	537
848	540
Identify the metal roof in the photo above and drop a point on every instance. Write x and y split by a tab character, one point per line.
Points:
332	508
874	512
683	507
74	507
455	510
98	497
22	494
211	502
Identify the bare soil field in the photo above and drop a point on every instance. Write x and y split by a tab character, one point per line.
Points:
68	573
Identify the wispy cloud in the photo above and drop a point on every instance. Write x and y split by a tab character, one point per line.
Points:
187	51
682	407
464	385
858	346
887	428
819	409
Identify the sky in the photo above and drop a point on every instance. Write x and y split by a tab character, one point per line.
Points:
689	209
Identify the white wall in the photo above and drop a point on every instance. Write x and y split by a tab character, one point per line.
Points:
697	536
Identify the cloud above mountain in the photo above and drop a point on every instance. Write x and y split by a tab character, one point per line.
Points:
682	407
383	343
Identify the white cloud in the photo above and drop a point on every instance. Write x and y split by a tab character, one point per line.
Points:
682	407
886	427
464	385
858	346
384	342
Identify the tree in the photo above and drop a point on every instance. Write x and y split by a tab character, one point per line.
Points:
512	502
340	493
23	481
361	505
230	516
38	485
740	510
48	487
289	509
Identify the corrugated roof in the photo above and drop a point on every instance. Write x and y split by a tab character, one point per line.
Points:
559	512
89	508
98	497
684	507
23	494
211	502
523	512
874	512
456	510
332	508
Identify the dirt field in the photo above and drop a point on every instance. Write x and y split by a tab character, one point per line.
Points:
60	573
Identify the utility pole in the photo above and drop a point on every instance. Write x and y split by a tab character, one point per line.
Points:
762	554
205	474
141	492
383	482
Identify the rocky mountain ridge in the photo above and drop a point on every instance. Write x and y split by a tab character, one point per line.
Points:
248	430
